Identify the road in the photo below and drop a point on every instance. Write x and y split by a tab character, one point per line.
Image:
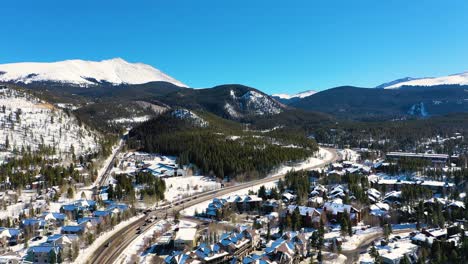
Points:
102	179
120	241
352	256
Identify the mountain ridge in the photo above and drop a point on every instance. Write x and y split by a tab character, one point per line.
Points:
84	73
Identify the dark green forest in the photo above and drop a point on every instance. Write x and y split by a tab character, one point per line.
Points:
214	150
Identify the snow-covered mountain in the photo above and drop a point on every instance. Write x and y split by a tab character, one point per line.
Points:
84	73
30	124
251	103
289	99
186	114
396	82
298	95
460	79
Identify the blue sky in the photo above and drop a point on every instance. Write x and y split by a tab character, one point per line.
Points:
275	46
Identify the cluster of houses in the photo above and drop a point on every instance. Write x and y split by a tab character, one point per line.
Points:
160	166
326	211
51	232
237	247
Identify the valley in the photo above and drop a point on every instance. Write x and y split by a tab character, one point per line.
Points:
132	166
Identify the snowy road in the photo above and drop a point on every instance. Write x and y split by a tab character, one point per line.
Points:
120	241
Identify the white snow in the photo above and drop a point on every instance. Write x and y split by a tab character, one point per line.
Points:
180	187
80	72
461	79
186	114
259	103
136	119
349	155
322	157
298	95
360	237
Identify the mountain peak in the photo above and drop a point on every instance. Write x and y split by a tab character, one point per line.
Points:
84	73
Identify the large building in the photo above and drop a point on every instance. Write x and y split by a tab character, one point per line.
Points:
434	158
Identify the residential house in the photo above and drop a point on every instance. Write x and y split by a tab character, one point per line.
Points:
186	238
43	254
334	211
10	236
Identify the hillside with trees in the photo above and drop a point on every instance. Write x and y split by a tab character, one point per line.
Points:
223	148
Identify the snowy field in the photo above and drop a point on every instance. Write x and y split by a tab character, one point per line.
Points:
181	187
322	157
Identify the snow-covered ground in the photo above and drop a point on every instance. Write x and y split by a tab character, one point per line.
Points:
136	119
180	187
322	157
349	155
360	237
27	122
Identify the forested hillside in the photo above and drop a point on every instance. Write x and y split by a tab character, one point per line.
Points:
222	148
447	132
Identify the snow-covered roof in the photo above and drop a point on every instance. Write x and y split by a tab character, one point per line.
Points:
186	234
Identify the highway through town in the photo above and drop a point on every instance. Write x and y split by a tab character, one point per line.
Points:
109	251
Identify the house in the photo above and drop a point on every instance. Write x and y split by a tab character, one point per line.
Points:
78	208
288	197
310	216
373	195
10	236
281	251
33	225
436	233
335	211
55	219
238	244
178	257
60	240
43	254
212	254
230	248
238	203
270	205
186	238
73	229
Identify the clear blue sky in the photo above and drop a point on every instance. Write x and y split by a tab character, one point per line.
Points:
276	46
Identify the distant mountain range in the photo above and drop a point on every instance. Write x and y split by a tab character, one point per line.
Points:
84	73
138	87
